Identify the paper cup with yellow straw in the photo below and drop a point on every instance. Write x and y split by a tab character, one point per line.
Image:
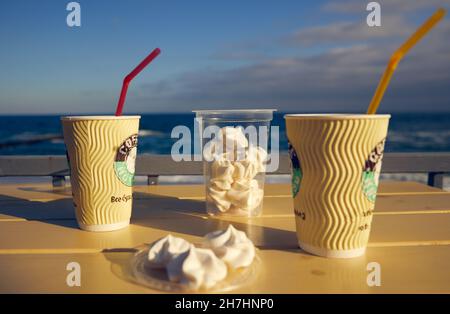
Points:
336	163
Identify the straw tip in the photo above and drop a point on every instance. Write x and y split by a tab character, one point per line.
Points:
441	11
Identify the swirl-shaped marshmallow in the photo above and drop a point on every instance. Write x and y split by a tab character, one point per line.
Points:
245	194
162	251
197	268
232	246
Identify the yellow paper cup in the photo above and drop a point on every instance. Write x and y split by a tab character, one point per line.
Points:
336	163
101	152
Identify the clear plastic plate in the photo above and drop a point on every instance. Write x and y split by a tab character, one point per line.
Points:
153	278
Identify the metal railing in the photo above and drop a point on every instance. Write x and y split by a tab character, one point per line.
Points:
436	165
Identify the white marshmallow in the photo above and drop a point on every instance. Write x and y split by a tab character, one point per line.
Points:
218	198
197	268
211	150
232	179
251	168
245	194
259	156
230	141
239	171
221	179
220	184
222	169
165	249
253	164
233	138
232	246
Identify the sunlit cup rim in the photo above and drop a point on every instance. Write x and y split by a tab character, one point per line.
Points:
335	116
104	117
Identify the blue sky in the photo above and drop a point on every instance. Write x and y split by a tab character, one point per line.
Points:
291	55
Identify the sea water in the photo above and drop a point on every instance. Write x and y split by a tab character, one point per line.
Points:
42	135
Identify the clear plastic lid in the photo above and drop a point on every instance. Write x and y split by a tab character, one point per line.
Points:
247	115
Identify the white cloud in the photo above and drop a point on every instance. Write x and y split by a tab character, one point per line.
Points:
345	32
343	78
387	6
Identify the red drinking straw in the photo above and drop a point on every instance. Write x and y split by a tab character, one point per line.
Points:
132	75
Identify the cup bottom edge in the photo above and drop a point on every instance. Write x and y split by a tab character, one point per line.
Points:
329	253
105	227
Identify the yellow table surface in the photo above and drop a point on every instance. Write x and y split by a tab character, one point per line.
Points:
410	239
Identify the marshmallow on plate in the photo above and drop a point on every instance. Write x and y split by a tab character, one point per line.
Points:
165	249
197	268
232	246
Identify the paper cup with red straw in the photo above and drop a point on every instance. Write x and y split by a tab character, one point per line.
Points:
131	76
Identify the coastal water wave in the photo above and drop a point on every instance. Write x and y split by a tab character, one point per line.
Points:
420	140
29	138
42	135
144	133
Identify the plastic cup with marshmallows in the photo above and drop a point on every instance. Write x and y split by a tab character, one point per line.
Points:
234	149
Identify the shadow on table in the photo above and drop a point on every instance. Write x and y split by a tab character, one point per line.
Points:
58	212
121	264
65	190
187	216
165	213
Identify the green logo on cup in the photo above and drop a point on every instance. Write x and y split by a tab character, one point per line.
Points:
371	173
370	185
124	161
296	170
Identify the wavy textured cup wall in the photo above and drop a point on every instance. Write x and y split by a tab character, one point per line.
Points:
332	202
102	201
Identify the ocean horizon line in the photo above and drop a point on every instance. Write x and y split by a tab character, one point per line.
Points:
190	112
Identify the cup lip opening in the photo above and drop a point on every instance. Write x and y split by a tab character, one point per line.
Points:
219	111
102	117
235	115
335	116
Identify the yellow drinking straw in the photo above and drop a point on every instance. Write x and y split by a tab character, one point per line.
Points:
398	55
